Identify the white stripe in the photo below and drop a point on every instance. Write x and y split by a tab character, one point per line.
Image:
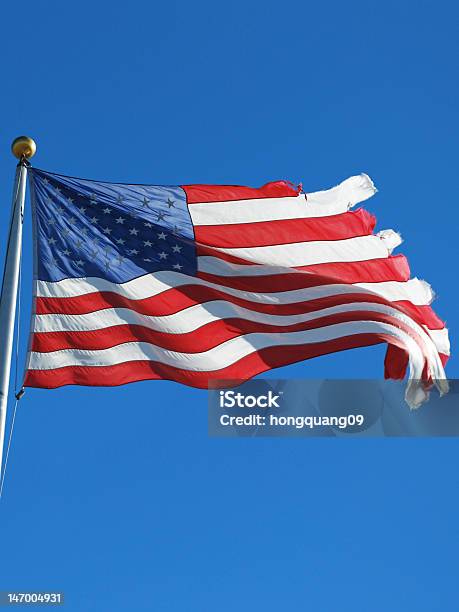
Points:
219	267
349	193
320	204
441	340
415	290
224	354
361	248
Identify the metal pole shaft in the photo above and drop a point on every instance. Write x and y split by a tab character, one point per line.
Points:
9	292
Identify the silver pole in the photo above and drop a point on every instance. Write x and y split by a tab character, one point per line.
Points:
11	277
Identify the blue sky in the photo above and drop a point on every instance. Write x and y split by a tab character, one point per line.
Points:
117	496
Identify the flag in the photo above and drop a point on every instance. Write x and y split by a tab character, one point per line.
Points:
197	283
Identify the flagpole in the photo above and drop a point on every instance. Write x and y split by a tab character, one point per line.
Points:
23	148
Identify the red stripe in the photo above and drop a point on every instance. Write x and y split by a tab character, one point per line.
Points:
224	193
286	231
394	268
444	358
203	250
202	339
177	299
169	301
245	368
422	314
395	362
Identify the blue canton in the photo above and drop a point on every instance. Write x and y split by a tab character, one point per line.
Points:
108	230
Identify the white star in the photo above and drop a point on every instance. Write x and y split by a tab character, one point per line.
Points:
176	248
147	243
177	266
133	231
82	209
148	224
120	220
94	219
133	252
163	255
120	241
107	230
161	216
72	220
60	210
107	211
146	259
78	244
119	199
162	236
79	262
70	200
51	221
84	230
51	240
58	190
93	198
45	181
66	252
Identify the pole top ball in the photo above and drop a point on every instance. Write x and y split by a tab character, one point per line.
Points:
23	146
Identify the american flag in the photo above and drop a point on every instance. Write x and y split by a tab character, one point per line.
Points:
197	283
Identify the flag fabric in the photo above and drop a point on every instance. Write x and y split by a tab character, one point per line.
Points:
198	283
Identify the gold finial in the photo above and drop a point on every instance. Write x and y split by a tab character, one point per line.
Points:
23	146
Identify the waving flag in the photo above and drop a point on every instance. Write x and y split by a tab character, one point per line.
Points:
196	283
